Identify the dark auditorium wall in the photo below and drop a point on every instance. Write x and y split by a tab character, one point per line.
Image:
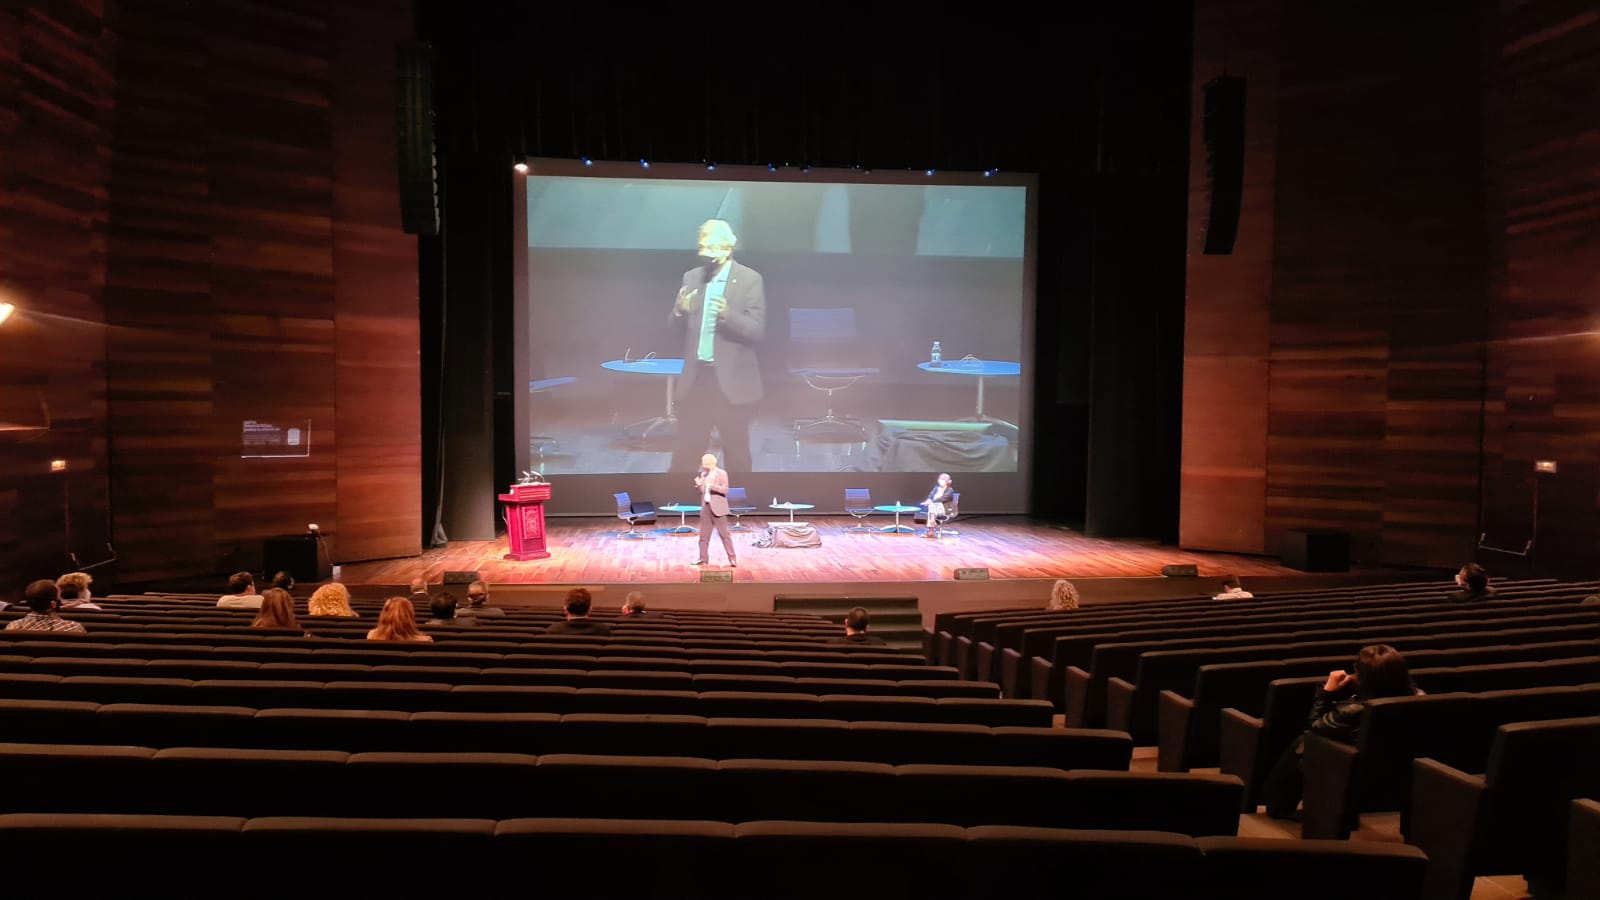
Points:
219	182
1407	321
1542	153
56	71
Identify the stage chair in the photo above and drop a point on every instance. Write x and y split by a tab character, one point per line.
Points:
738	505
951	513
633	513
858	503
542	445
825	351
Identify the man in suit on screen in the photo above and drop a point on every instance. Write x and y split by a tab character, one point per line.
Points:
712	482
722	309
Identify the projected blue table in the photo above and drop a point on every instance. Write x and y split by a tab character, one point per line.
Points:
983	369
666	423
897	509
683	510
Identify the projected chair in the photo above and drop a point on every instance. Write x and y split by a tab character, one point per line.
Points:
952	511
738	505
825	350
542	445
858	503
633	513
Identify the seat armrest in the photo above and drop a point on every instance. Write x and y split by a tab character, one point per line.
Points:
945	649
1077	697
1583	850
1446	817
929	646
1173	715
1329	771
1239	753
1011	685
985	661
1039	671
1119	705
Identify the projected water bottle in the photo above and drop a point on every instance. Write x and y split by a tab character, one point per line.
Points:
936	358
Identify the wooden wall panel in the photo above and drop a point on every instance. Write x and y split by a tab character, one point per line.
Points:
229	293
1370	299
1226	333
1542	152
378	380
56	63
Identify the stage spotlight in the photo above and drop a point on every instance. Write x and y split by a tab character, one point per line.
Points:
989	172
930	172
711	167
644	163
805	169
521	167
6	309
587	161
771	167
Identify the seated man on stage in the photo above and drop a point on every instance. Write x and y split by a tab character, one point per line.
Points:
938	501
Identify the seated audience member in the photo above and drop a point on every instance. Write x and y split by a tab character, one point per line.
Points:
855	629
332	599
477	604
1380	671
1474	584
1063	595
241	593
75	594
577	606
277	612
43	599
443	607
1231	590
633	606
397	622
283	581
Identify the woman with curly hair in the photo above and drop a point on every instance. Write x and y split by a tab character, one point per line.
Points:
397	622
1063	595
332	599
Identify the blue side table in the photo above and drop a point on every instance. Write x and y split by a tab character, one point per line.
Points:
983	369
683	510
897	509
666	424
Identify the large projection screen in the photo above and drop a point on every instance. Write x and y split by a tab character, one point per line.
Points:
781	318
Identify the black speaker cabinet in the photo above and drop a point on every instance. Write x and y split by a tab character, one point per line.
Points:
297	554
1317	551
414	139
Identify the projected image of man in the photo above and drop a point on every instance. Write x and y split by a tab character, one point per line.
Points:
722	308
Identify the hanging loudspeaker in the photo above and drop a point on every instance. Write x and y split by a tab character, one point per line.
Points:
1224	137
414	139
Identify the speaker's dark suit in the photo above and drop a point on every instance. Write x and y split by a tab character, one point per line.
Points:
720	394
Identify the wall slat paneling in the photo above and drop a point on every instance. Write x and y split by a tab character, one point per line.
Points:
1542	153
56	70
1367	300
377	375
1226	335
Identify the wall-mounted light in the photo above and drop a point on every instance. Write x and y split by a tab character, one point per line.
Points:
1545	466
58	465
521	167
6	309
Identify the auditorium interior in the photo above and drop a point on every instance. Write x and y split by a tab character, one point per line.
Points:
1165	435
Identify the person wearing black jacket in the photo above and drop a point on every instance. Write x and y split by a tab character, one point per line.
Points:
938	501
1380	671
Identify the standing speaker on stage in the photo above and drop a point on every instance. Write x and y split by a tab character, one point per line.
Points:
712	482
722	308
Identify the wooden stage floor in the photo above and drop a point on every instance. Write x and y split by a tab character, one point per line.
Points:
587	551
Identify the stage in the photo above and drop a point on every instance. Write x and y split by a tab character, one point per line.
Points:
1023	557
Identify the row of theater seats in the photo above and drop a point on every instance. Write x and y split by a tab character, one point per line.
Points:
1483	767
367	730
557	857
260	782
436	697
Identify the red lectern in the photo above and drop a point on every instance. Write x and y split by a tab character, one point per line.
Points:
525	521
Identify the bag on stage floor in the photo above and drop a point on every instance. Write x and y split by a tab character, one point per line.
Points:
785	534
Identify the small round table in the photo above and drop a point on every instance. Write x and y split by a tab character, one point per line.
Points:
983	369
667	368
683	510
791	507
897	509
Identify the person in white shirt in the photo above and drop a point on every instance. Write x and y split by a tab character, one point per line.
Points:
241	593
1232	591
